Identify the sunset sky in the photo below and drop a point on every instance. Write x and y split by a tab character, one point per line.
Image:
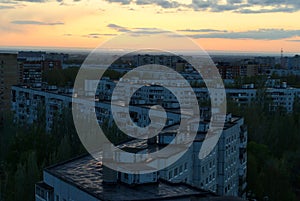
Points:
217	25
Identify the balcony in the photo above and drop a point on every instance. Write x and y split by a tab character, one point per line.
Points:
43	192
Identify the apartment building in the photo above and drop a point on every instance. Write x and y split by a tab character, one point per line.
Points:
291	63
33	64
9	74
222	171
228	70
27	102
83	179
282	95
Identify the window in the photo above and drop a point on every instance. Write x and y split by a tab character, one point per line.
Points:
185	166
126	176
180	169
170	174
175	172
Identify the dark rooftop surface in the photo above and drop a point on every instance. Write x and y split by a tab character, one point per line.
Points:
86	174
44	185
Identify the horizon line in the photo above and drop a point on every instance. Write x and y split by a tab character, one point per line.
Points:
89	49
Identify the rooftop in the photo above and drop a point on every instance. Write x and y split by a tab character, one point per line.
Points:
85	173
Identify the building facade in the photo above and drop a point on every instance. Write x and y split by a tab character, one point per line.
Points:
33	64
82	179
9	75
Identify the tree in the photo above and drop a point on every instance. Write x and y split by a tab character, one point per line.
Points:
19	181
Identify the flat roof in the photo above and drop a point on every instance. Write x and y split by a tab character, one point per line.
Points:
85	173
44	186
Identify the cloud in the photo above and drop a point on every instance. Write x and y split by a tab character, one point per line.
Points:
118	28
274	10
237	6
247	6
201	30
92	36
161	3
6	7
9	2
260	34
6	4
97	35
297	41
124	2
33	1
32	22
144	31
136	31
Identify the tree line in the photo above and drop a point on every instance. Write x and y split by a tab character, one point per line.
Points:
27	150
273	149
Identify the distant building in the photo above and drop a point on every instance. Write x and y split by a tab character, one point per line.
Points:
283	72
281	97
245	67
265	64
9	75
228	70
291	63
33	64
249	68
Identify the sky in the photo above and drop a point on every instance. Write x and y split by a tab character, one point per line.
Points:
216	25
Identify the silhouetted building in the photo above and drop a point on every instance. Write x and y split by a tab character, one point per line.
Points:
9	74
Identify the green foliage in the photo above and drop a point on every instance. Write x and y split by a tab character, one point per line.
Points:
30	149
273	150
61	77
292	80
267	175
112	74
259	81
113	133
196	84
66	77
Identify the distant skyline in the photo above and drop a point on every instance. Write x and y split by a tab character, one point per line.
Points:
217	25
